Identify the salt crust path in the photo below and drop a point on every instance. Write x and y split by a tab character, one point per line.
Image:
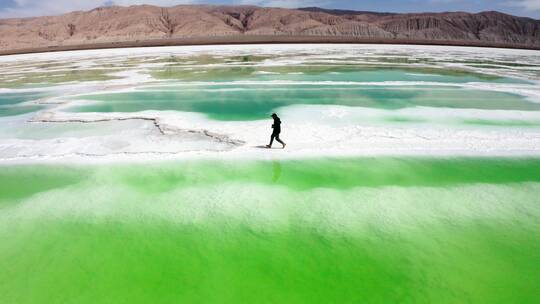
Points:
306	139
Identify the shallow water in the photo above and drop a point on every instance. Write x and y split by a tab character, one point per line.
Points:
222	93
326	72
10	103
408	230
238	103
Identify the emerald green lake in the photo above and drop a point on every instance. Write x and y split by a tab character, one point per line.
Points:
370	230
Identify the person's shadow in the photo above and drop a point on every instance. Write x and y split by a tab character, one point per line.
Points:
265	147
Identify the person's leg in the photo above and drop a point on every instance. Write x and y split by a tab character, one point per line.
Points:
271	140
279	140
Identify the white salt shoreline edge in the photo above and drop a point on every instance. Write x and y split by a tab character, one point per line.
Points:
315	132
256	49
301	52
272	155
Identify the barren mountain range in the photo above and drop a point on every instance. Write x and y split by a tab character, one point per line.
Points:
144	24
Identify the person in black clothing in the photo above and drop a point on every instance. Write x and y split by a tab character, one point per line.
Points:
277	129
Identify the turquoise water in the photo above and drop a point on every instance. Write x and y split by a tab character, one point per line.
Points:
375	230
222	94
13	111
328	72
16	98
252	103
9	103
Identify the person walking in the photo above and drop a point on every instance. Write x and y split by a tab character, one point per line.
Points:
275	133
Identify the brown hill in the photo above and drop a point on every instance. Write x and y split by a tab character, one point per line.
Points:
151	23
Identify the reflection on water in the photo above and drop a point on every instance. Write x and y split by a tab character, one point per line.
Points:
276	168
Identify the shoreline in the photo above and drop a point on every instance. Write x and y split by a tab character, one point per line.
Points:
241	40
256	154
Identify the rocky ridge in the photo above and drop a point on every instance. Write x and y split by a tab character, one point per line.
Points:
144	23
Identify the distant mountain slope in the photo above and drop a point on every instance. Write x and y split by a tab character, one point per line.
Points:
144	22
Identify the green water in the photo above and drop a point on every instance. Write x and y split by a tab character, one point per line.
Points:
373	230
362	230
13	111
502	123
252	103
8	99
229	99
327	72
9	103
61	76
